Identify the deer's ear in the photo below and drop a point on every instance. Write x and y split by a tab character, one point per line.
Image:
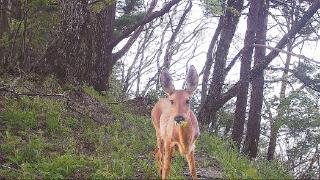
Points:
192	79
166	82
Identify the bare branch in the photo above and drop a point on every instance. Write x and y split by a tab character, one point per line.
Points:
145	20
313	84
261	66
168	54
135	35
233	61
287	52
29	94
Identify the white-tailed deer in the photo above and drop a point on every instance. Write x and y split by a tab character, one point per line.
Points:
175	123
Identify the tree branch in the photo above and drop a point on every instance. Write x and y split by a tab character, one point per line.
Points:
145	20
295	29
274	53
116	56
233	61
28	94
313	84
135	35
168	53
287	52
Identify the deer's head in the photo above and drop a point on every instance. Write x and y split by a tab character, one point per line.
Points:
179	99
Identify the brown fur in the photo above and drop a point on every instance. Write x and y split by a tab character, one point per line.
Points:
170	135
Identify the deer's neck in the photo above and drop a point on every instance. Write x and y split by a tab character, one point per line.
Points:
185	137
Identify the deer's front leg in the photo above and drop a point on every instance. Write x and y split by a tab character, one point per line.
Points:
159	154
166	160
192	164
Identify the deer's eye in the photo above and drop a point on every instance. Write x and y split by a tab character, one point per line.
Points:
171	101
188	101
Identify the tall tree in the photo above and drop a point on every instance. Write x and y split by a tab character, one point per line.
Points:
231	17
253	126
242	95
209	62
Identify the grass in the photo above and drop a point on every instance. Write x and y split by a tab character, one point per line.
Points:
43	139
237	166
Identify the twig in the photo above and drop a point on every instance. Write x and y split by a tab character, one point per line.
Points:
113	102
28	94
287	52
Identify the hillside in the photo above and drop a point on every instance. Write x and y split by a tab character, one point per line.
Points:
79	133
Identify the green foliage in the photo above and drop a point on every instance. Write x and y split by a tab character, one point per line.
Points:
234	11
301	120
130	6
299	112
51	84
213	7
33	113
100	5
237	166
41	18
57	145
128	19
28	33
305	68
154	95
44	140
61	166
5	40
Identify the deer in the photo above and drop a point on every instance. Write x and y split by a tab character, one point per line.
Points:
175	123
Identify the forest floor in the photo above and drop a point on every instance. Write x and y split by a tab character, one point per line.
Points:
82	102
50	132
97	111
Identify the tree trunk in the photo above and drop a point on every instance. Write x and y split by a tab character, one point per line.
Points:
275	124
230	21
103	36
4	27
209	62
71	56
256	100
241	103
4	22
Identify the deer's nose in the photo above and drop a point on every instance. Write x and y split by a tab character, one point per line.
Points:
179	119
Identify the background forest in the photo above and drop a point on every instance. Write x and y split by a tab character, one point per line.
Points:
78	80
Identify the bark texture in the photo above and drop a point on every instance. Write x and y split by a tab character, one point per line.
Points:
242	96
4	22
230	21
209	62
253	127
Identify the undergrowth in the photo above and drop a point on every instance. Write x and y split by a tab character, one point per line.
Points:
41	138
237	166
